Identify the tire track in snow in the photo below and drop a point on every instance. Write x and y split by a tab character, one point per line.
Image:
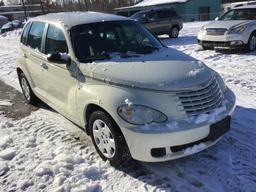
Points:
35	132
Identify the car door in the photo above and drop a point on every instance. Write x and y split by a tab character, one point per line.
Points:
164	21
151	22
34	57
61	82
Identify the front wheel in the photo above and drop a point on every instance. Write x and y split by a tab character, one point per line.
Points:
251	45
108	139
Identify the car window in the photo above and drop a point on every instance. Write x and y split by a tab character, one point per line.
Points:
239	14
92	40
24	35
55	41
173	13
152	16
164	14
35	35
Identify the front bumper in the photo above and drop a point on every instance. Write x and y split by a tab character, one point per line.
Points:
234	45
157	147
226	41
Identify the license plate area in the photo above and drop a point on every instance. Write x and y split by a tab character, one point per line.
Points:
218	129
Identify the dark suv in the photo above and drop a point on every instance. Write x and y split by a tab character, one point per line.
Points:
160	21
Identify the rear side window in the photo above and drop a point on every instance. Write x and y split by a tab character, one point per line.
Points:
166	14
55	41
173	13
24	35
35	35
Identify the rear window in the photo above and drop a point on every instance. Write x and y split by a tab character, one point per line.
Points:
35	35
24	35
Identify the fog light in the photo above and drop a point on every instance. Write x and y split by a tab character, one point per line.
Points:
236	43
158	152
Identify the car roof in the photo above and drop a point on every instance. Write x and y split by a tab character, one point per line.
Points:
71	19
253	6
156	9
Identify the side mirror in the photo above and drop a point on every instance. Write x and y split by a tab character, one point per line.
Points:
144	18
58	57
217	19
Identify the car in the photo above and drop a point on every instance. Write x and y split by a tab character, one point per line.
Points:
7	27
135	97
235	30
160	21
17	24
3	20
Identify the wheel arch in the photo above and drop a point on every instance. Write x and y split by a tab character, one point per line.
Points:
19	71
175	25
89	109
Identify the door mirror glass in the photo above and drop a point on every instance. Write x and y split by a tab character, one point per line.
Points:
217	19
58	57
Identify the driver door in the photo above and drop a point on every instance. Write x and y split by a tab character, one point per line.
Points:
60	81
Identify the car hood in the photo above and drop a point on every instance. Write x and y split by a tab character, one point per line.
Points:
226	24
166	70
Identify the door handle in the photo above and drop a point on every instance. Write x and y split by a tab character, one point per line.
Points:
44	66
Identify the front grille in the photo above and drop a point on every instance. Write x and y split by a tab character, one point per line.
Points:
216	32
201	100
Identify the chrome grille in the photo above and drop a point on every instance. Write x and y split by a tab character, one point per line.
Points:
201	100
216	32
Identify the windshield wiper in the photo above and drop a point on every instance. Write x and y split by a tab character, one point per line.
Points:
122	54
147	49
104	56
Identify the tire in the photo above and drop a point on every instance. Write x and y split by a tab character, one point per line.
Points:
174	33
29	95
251	45
107	139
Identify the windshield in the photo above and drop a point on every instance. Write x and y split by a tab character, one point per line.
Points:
98	41
239	14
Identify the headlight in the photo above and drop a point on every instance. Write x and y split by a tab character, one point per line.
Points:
202	29
140	115
221	82
237	30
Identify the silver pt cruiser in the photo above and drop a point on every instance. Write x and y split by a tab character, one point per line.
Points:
133	96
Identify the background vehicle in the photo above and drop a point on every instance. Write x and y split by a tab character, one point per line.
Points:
7	27
98	71
160	21
236	29
15	24
3	20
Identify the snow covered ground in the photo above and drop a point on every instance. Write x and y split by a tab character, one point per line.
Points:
46	152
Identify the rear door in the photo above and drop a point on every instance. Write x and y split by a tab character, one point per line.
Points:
61	82
34	57
164	21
